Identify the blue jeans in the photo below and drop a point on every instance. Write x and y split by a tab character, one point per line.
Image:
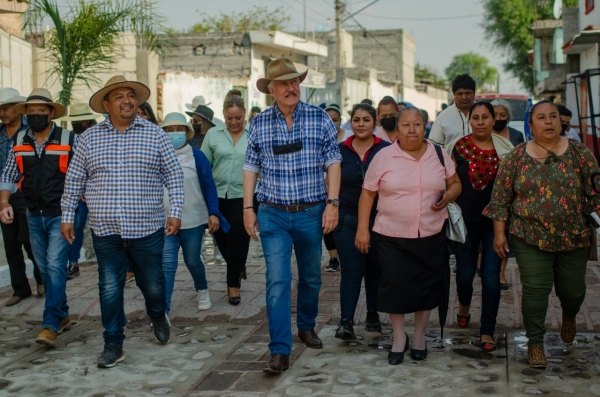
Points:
113	253
80	220
355	265
279	231
190	240
466	268
50	252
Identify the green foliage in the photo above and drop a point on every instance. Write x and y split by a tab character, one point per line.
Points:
508	24
475	65
258	18
425	73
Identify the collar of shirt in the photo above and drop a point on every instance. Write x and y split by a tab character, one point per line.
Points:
398	152
39	147
137	122
295	114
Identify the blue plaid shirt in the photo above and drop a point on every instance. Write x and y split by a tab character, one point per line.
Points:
123	175
6	143
297	177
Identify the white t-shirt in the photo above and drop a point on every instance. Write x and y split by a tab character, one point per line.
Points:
450	125
571	134
195	212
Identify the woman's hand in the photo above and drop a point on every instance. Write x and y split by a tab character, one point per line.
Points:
363	240
501	245
442	203
213	224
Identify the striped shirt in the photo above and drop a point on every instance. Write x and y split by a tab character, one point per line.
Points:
122	175
297	177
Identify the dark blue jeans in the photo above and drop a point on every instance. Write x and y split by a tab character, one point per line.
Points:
355	265
80	220
466	268
113	253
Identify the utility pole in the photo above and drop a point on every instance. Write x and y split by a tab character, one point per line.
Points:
339	56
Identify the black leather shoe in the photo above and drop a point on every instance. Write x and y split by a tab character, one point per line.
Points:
418	355
161	329
395	358
345	330
277	363
310	339
72	271
372	324
234	300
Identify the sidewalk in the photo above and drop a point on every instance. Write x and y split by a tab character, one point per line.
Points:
221	352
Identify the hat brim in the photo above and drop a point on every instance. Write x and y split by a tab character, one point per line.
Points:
59	110
141	92
14	100
263	83
191	114
83	117
176	123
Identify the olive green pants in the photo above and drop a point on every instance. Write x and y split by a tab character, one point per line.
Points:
540	270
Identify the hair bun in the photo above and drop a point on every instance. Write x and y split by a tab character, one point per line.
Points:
234	92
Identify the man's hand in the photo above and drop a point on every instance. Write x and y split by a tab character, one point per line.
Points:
213	224
67	230
330	218
250	223
6	214
173	225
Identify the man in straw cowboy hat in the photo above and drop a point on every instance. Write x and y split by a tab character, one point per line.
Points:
122	165
16	234
38	163
81	118
291	144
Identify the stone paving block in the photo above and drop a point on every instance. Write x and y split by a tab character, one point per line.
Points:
242	366
219	381
256	382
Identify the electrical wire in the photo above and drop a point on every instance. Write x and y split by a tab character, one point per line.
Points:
423	19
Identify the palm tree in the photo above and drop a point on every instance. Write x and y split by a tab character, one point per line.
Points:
83	40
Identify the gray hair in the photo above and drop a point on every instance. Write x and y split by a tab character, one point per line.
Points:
411	108
505	104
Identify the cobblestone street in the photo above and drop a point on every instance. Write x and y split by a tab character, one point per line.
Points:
221	352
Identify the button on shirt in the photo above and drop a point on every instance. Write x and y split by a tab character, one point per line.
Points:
227	160
123	175
407	189
450	125
297	177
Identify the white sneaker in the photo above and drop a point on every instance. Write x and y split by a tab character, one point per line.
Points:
218	256
204	302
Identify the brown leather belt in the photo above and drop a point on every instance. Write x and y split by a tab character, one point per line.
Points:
292	208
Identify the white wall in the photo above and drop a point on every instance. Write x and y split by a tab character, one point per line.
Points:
21	55
431	100
180	88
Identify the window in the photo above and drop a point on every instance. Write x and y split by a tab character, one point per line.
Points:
589	6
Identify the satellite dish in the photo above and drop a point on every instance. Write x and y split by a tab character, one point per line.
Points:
557	9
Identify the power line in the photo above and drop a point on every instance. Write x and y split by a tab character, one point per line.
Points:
422	19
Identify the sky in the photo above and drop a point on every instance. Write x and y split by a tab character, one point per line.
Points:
441	28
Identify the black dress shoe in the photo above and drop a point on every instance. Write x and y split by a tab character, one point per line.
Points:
72	271
372	324
418	355
161	329
277	363
345	330
395	358
310	339
234	300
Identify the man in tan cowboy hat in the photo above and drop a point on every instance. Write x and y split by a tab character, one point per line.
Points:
291	144
122	165
38	163
81	118
16	234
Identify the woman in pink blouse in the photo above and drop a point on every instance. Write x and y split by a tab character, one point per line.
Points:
414	189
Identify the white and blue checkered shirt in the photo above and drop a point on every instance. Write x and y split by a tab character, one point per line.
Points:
122	175
292	178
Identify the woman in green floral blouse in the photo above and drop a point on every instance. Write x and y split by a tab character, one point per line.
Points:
543	190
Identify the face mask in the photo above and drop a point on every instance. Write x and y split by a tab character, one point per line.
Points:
499	125
177	139
389	123
338	125
197	128
38	122
78	128
564	128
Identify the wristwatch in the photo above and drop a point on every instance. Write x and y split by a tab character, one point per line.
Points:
334	202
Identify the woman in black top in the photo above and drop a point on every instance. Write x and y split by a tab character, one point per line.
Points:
357	153
477	162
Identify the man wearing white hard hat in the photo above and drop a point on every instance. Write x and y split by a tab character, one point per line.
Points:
16	234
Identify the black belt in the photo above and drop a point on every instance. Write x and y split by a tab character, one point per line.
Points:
292	208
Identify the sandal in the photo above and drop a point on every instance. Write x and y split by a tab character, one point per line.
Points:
488	346
463	321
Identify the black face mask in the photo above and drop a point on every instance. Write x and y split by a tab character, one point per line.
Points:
197	128
389	123
499	125
78	128
38	122
564	128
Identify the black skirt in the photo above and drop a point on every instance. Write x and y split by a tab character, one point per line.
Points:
412	273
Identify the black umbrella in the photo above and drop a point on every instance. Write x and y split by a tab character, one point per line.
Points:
444	301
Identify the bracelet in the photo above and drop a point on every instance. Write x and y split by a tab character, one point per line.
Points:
249	208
